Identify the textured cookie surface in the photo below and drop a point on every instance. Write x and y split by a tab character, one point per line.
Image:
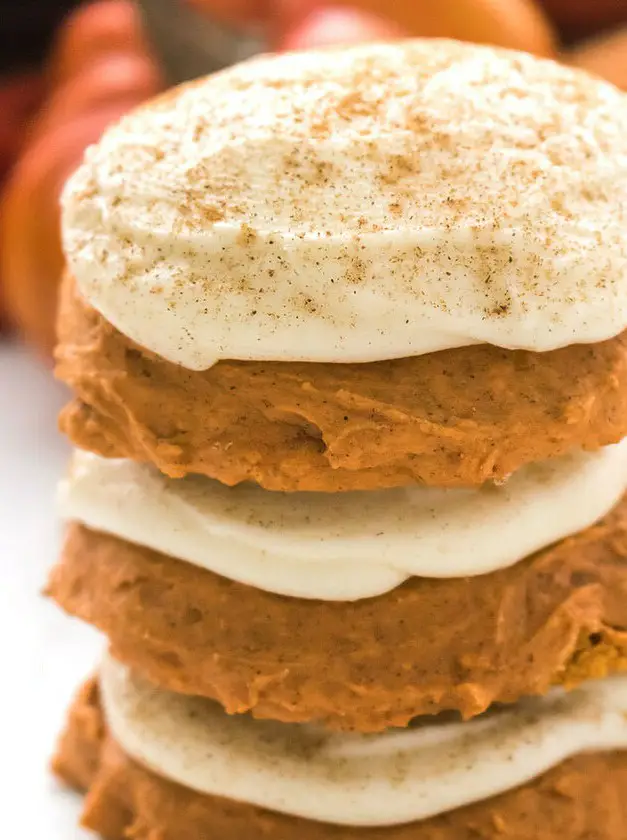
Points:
424	647
458	417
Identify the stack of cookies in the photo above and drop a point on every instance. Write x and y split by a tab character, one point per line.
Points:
346	334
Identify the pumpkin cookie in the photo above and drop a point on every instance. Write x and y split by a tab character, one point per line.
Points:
376	285
457	417
581	797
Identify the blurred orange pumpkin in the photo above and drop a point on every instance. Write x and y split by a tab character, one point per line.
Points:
124	78
31	258
519	24
96	28
606	56
89	91
20	96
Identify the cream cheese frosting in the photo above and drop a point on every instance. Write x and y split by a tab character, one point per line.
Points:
343	546
360	780
352	205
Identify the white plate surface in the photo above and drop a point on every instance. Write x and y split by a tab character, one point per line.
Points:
45	655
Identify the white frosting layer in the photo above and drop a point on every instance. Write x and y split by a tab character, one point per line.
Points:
362	204
344	546
360	780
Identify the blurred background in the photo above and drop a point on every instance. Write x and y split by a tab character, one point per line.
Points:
69	68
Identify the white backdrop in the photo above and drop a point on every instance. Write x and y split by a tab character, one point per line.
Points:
44	654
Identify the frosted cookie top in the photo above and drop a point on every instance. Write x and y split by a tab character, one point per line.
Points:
352	205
